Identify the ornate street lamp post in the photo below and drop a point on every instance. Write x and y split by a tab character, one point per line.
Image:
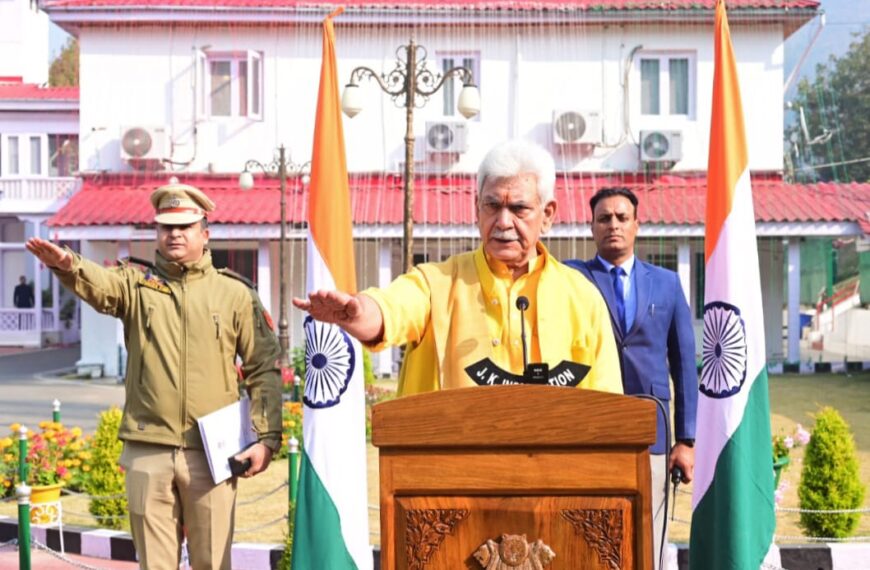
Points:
410	84
279	168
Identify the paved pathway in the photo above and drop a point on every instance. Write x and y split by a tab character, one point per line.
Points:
28	389
20	363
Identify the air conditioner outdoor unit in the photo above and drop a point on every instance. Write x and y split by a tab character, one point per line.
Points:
446	137
144	143
576	127
661	146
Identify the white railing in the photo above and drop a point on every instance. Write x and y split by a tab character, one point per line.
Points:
38	188
25	320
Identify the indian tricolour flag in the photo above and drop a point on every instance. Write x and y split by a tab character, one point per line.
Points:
733	518
332	509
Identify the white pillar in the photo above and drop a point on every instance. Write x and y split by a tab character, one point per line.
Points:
99	332
794	299
684	269
264	273
37	282
55	302
118	367
384	364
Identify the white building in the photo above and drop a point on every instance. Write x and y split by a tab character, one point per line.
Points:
39	129
619	94
23	41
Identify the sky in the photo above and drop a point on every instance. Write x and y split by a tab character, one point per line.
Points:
843	19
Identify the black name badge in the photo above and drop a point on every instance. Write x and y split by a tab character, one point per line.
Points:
486	373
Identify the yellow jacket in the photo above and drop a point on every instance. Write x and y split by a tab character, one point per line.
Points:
439	310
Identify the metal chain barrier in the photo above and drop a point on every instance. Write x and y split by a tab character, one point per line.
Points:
261	497
282	518
821	512
821	538
90	516
9	543
63	557
98	497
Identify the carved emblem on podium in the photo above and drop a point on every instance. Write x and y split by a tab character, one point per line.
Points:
602	529
514	552
425	530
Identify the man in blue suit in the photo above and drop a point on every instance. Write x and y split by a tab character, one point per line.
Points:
653	329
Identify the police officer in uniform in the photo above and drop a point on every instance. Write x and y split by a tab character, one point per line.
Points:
184	324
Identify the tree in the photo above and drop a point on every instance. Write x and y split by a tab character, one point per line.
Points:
833	119
64	70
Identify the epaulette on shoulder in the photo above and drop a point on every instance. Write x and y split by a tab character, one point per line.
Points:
135	261
230	273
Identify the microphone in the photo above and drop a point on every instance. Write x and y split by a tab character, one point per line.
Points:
522	305
676	478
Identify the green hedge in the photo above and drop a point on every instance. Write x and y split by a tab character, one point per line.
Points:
830	479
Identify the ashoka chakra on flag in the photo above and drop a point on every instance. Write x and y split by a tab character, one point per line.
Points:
329	363
724	350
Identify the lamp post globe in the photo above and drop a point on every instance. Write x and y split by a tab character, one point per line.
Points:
351	100
246	180
469	101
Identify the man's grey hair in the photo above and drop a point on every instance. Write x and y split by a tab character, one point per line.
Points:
514	157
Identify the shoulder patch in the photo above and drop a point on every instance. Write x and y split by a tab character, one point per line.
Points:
230	273
135	261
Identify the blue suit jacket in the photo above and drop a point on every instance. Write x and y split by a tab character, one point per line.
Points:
661	341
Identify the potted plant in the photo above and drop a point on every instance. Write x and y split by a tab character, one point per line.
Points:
52	460
782	446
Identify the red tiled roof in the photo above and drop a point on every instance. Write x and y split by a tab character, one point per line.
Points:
465	4
377	200
16	91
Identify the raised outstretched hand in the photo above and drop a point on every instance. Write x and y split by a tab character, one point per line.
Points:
49	254
331	307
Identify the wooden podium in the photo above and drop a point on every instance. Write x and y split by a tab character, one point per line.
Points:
515	478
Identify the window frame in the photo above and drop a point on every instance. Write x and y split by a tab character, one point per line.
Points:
24	155
60	138
456	56
664	57
253	87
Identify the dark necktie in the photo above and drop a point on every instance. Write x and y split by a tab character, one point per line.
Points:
617	273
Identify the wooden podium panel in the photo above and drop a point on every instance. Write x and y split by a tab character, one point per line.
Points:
515	476
458	532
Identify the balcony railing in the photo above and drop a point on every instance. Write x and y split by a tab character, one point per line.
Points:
18	328
25	320
38	192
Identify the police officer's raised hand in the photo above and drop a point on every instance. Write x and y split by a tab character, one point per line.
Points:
49	254
359	315
260	457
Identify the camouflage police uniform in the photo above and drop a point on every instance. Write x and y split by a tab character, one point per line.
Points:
184	325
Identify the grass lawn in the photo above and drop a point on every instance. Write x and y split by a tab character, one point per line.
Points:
793	400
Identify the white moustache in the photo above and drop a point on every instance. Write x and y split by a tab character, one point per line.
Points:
508	235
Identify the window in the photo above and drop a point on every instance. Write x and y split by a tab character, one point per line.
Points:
36	155
698	268
453	85
242	261
666	84
63	155
666	260
12	143
233	82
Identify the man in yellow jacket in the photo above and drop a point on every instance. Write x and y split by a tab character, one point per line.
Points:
460	313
